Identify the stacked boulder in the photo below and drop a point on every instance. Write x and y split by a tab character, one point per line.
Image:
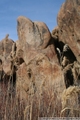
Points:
41	60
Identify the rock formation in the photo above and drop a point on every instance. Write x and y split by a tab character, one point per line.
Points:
39	56
68	24
41	62
68	33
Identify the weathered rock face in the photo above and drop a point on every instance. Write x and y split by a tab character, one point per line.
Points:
69	54
33	65
41	65
34	34
5	50
40	59
68	24
5	47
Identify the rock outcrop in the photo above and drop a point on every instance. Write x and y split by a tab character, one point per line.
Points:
30	66
39	55
69	34
68	24
40	66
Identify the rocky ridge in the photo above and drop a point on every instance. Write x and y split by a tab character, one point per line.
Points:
41	60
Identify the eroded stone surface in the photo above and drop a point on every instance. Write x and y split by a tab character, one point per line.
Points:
40	61
68	23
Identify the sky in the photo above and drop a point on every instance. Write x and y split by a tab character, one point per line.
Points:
37	10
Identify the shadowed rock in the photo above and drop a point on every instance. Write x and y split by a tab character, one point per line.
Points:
69	24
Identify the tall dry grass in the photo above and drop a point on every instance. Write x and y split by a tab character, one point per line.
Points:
44	103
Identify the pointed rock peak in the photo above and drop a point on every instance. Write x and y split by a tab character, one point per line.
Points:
34	34
7	35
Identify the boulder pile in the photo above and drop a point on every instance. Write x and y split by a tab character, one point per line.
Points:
39	59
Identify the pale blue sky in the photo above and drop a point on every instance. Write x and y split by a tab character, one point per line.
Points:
36	10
